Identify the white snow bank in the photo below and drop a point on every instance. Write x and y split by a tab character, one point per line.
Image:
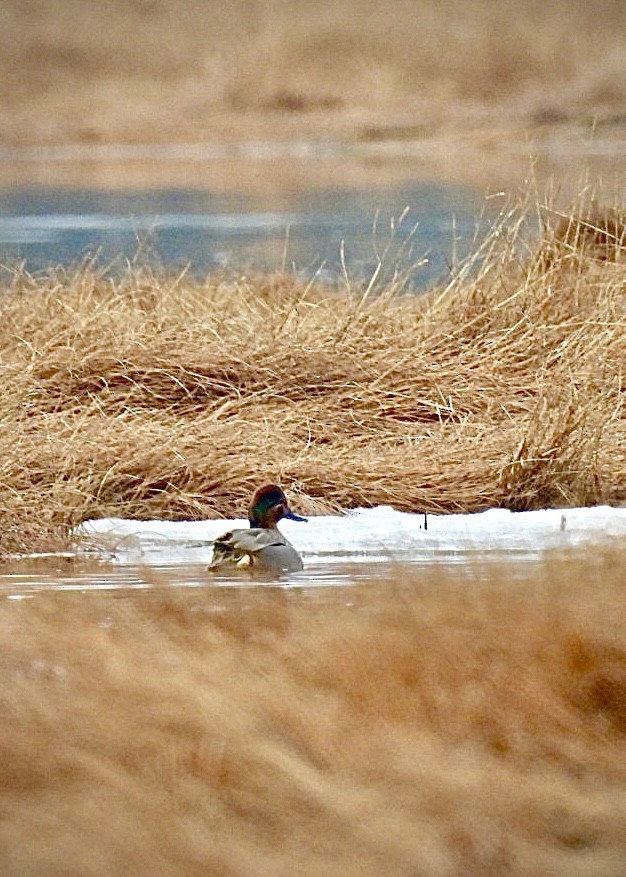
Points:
377	534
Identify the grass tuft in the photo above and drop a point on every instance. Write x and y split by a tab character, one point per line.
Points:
153	397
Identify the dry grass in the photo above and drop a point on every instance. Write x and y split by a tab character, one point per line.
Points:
146	397
118	71
418	727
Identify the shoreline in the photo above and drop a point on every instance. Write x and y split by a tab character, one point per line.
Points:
491	157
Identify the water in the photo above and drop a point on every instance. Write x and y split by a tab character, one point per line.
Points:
29	578
420	228
366	545
273	204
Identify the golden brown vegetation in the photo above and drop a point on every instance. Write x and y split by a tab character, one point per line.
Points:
143	396
414	727
146	71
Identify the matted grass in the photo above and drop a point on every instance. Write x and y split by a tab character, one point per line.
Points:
151	397
419	726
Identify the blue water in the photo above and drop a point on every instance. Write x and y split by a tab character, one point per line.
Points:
418	229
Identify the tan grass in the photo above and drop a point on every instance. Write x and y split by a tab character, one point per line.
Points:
145	72
415	726
144	396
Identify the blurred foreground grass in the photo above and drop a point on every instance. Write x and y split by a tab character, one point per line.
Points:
423	725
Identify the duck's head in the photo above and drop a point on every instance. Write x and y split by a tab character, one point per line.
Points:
268	505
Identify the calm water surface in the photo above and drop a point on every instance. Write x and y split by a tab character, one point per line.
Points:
419	228
269	205
26	578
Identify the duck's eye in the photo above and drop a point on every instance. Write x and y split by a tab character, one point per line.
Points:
274	497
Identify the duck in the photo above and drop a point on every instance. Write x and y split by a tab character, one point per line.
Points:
262	547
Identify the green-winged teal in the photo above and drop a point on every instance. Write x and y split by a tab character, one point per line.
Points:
263	547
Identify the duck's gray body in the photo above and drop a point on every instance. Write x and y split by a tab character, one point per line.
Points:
262	548
256	549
